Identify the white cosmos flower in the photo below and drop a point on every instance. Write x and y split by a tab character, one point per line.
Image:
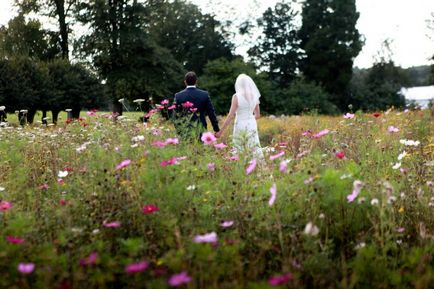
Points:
409	142
62	174
374	202
191	188
2	189
402	155
138	138
396	166
311	229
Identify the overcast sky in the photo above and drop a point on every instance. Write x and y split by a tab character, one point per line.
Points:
402	21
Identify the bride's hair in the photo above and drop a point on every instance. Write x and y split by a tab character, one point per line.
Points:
246	87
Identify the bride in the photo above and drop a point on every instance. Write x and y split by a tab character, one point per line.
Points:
245	105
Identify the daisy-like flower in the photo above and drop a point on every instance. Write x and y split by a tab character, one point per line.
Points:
392	129
179	279
150	209
211	167
220	146
123	164
26	268
311	229
402	155
348	115
187	104
114	224
321	133
226	224
276	156
396	166
4	206
280	279
136	267
357	187
208	138
206	238
62	174
273	191
251	167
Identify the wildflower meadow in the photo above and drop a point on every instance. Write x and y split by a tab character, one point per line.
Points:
337	202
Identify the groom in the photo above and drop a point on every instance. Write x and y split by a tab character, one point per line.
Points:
197	102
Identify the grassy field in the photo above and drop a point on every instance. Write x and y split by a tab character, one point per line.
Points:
337	203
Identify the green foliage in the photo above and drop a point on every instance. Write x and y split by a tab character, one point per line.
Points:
27	39
277	49
331	42
192	37
124	53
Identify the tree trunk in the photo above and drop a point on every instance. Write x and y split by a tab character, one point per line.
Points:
55	114
44	117
63	28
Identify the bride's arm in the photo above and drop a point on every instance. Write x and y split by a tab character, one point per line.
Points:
257	111
230	116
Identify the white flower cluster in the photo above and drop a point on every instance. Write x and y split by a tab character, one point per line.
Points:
138	138
409	142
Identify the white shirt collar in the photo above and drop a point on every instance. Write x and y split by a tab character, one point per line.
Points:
191	86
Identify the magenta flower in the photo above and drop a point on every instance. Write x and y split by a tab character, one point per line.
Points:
357	187
26	268
280	279
169	162
226	224
392	129
136	267
307	133
4	206
220	146
91	112
349	115
206	238
149	209
14	240
164	102
273	191
89	260
172	107
283	167
251	167
321	133
123	164
187	104
208	138
193	109
340	154
211	167
115	224
179	279
276	156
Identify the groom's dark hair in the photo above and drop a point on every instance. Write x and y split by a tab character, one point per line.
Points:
190	78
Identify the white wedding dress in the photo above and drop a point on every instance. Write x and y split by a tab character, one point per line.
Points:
245	135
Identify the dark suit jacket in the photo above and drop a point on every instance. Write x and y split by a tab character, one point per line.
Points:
201	101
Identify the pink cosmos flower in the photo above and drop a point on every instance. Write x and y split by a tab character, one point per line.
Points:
283	167
149	209
172	107
123	164
251	167
89	260
208	138
273	191
193	109
349	115
91	112
340	154
308	181
14	240
357	187
211	167
392	129
206	238
26	268
136	267
164	102
4	206
226	224
187	104
179	279
400	230
169	162
276	156
307	133
280	279
220	146
44	187
115	224
150	113
321	133
159	144
234	158
173	141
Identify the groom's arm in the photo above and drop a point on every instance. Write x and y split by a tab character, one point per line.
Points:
211	115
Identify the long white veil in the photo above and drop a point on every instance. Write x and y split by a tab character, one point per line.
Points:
245	87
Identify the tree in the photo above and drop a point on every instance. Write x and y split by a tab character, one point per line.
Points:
219	79
331	42
122	51
61	10
28	39
277	48
192	37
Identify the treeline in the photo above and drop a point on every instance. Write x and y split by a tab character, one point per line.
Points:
141	49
